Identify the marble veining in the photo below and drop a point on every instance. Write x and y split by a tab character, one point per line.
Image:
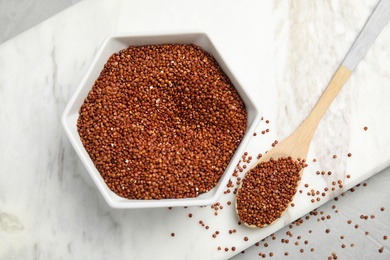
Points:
284	52
10	223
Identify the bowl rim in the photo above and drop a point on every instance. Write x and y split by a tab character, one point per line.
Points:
124	203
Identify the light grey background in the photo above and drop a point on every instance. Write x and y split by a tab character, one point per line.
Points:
17	16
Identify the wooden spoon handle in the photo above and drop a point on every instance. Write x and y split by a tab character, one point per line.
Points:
374	25
335	85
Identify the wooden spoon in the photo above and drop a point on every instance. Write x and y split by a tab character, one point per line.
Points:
298	143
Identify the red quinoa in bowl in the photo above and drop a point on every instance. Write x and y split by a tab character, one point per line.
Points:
161	121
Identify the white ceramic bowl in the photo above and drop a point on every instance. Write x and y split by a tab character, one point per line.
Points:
118	42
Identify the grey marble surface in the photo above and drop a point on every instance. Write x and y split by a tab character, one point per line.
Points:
17	16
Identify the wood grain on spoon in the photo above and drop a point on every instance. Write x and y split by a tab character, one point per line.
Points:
298	143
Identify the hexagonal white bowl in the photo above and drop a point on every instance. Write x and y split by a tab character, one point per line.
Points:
115	43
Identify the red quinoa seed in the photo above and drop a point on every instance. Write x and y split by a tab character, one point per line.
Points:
161	118
262	200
